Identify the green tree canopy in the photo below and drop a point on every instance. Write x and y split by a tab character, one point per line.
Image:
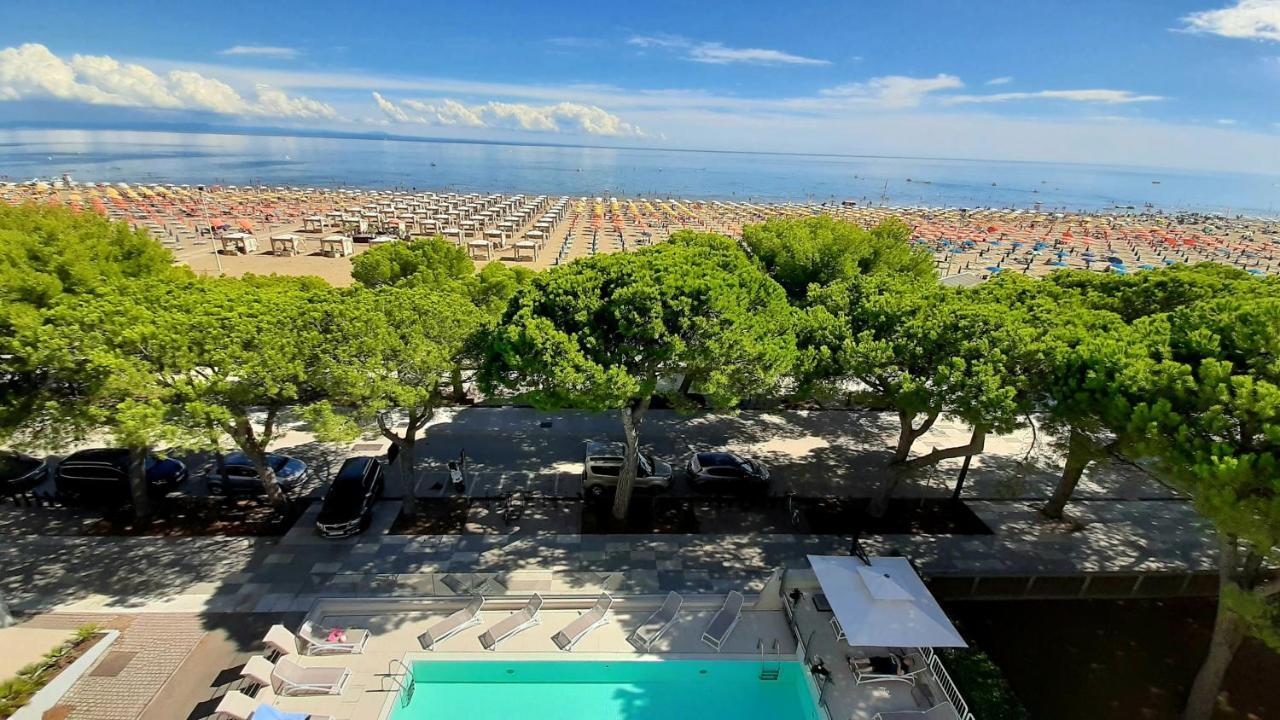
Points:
600	333
821	250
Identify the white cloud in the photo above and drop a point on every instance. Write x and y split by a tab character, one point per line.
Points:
1248	19
1003	80
563	117
283	53
1225	121
714	53
894	91
32	71
1106	97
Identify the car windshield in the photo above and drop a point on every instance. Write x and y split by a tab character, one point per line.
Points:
13	465
343	495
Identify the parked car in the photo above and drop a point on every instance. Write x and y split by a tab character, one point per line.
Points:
603	466
348	505
726	473
101	475
234	474
21	473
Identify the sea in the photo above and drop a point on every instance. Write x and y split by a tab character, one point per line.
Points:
441	165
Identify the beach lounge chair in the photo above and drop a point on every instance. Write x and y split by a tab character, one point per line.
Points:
452	625
891	668
584	623
517	621
287	678
238	706
316	641
280	641
941	711
724	621
663	618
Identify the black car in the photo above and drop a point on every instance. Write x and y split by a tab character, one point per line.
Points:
348	505
101	475
21	473
234	474
726	473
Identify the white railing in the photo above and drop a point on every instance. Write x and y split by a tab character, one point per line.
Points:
944	682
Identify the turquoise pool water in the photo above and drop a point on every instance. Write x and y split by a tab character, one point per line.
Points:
575	690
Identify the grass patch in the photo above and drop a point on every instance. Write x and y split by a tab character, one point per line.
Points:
18	691
982	685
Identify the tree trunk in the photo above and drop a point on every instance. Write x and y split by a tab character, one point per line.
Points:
880	504
686	384
455	380
907	435
255	447
1228	631
408	476
631	419
138	489
6	617
267	474
1079	454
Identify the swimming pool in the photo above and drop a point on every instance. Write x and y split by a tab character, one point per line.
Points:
627	690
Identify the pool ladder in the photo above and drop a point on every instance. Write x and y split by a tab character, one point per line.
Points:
771	669
403	680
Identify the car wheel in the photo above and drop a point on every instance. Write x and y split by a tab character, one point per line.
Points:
217	489
595	492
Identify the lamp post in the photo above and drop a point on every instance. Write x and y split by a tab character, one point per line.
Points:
217	257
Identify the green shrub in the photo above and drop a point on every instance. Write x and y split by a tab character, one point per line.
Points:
982	685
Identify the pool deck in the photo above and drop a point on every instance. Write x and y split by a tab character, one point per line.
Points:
371	692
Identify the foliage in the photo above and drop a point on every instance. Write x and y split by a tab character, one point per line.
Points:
433	262
17	691
982	685
820	251
47	251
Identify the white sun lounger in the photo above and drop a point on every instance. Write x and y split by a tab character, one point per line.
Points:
238	706
658	623
314	641
517	621
864	673
280	641
941	711
584	623
724	621
288	678
452	625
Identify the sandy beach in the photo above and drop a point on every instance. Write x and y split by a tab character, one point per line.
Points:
296	231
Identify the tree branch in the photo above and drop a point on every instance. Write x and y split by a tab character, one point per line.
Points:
973	447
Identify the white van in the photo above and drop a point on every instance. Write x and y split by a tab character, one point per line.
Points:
603	465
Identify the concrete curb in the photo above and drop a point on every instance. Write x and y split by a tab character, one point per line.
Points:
50	694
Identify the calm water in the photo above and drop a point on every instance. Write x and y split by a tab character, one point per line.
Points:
243	160
574	690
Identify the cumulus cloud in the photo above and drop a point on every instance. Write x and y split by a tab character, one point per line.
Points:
1105	97
894	91
1248	19
564	117
715	53
271	51
32	71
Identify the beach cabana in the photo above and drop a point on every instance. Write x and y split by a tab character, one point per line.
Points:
286	244
239	243
314	223
474	247
882	602
336	246
523	245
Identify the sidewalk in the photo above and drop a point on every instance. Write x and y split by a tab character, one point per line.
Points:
210	575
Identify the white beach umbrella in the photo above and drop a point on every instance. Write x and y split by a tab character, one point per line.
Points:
884	604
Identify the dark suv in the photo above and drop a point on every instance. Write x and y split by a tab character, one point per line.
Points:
348	505
234	474
101	475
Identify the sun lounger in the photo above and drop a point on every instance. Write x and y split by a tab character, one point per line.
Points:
724	621
663	618
288	678
941	711
584	623
280	641
238	706
452	625
865	669
315	641
522	619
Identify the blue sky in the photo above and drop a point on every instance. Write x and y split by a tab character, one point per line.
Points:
1168	82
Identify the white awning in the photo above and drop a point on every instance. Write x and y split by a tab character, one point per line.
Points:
884	604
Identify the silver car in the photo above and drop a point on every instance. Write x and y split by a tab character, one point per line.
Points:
603	466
